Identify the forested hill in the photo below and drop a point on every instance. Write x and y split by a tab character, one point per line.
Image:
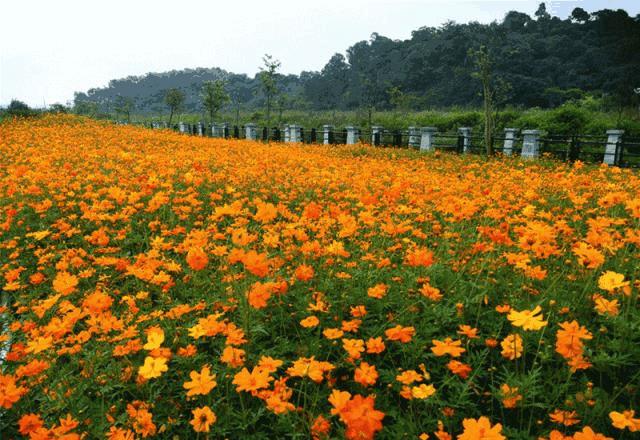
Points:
541	60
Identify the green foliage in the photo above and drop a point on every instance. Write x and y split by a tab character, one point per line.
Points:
214	97
174	98
269	81
124	106
546	61
20	109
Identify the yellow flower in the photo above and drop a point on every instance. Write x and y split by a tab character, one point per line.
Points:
423	391
527	319
610	281
155	338
511	347
153	367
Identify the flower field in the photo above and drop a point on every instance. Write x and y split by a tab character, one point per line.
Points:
156	285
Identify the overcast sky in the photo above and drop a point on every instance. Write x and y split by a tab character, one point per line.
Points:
49	49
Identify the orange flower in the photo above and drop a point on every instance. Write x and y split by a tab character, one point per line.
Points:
304	273
269	364
378	291
430	292
400	333
588	256
256	263
309	367
310	321
408	377
512	347
569	339
589	434
259	294
361	418
64	283
366	374
419	257
251	381
625	420
606	307
197	258
510	396
353	347
449	346
468	331
481	429
232	356
566	418
320	428
29	423
332	333
459	368
375	345
203	418
39	344
201	383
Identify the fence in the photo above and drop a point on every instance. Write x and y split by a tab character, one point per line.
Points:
612	148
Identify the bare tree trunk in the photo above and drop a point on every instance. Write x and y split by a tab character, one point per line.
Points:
488	119
170	117
268	111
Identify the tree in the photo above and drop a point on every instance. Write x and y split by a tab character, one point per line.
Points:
85	108
58	108
580	15
483	71
282	102
541	13
174	98
268	80
124	105
214	97
19	108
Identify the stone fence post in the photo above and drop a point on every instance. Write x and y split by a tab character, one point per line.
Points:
414	137
353	135
427	138
465	133
613	150
294	133
509	137
376	134
327	134
530	144
250	131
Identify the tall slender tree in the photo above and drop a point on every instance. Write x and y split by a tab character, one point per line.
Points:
269	82
483	71
174	98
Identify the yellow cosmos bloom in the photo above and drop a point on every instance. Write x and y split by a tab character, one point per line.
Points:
527	319
153	367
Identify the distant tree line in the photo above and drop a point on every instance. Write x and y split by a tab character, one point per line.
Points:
539	61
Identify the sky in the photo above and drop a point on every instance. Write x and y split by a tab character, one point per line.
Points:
51	49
